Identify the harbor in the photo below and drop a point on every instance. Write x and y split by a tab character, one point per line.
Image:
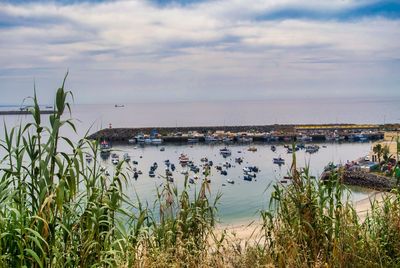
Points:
260	133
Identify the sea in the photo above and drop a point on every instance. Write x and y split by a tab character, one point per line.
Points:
242	200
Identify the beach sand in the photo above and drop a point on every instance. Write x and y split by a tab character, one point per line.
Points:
251	231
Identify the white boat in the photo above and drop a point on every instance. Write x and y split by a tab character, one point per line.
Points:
210	138
114	159
230	181
140	138
225	152
131	141
147	140
183	159
193	140
127	157
279	161
227	140
156	141
304	138
105	147
245	139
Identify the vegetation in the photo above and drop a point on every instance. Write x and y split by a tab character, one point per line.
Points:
58	211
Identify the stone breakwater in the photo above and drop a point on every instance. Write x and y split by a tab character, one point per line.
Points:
365	179
180	134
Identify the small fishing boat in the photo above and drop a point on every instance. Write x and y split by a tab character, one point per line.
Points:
114	159
131	141
230	181
183	159
252	149
152	173
247	178
162	149
273	148
89	158
191	181
224	172
279	161
225	152
239	160
105	147
127	157
193	140
135	175
156	141
210	138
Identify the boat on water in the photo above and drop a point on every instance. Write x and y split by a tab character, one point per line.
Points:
140	138
89	158
193	140
227	140
152	174
239	160
225	152
224	172
127	157
252	149
183	159
191	181
244	139
156	141
247	178
132	141
273	148
105	147
135	175
210	138
119	105
304	138
162	149
115	159
312	149
230	181
279	161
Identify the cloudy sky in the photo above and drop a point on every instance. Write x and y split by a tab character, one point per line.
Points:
160	50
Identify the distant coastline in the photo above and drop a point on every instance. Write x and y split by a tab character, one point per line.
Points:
24	112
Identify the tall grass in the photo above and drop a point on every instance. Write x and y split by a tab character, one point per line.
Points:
56	210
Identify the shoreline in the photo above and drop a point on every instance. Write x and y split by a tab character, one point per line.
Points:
249	231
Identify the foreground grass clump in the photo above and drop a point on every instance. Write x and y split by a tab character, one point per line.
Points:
314	224
56	210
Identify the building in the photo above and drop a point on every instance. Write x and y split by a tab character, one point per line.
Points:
390	141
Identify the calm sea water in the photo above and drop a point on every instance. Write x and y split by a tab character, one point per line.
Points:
243	199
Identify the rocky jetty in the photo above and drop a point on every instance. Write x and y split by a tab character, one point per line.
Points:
365	179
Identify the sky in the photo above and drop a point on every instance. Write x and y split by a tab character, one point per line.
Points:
188	50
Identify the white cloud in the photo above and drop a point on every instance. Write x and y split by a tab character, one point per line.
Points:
215	46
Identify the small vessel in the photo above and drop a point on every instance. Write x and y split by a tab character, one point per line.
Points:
183	159
172	167
152	173
135	175
210	138
279	161
114	159
312	149
225	152
273	148
239	160
224	172
156	141
135	162
140	138
105	147
247	178
89	158
119	105
184	171
244	139
107	173
227	140
230	181
162	149
193	140
191	181
131	141
127	157
252	149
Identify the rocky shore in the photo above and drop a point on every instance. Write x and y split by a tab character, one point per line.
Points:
365	179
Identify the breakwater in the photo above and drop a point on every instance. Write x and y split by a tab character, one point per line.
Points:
257	133
24	112
365	179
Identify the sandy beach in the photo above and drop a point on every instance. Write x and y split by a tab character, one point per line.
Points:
250	231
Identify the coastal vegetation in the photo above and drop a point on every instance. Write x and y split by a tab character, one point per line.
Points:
58	211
